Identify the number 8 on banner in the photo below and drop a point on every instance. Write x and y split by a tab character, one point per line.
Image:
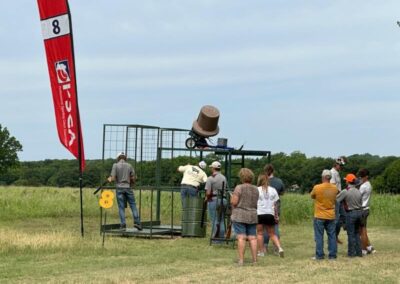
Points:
55	27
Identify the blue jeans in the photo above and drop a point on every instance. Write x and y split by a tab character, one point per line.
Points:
329	226
353	221
340	215
127	193
215	217
187	191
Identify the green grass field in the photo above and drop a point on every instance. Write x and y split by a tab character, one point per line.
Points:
40	243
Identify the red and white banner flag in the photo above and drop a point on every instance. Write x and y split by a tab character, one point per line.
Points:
57	33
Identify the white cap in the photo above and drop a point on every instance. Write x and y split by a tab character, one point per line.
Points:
326	173
341	161
215	165
120	154
203	165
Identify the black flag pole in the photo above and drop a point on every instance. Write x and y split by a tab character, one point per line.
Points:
78	125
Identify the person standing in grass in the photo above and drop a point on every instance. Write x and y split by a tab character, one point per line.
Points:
244	214
267	212
124	176
215	185
365	190
340	212
324	195
353	199
279	186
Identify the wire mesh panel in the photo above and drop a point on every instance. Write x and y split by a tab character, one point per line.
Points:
156	153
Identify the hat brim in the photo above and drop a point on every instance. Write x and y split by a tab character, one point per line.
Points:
196	128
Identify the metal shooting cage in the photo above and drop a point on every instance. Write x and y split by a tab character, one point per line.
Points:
155	153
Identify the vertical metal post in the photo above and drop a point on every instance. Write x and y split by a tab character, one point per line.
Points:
172	213
158	174
104	231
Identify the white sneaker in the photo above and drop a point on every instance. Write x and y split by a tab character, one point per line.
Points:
364	252
260	253
281	252
370	249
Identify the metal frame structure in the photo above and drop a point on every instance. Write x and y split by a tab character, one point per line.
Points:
144	144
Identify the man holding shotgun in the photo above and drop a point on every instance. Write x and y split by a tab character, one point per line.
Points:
124	176
216	203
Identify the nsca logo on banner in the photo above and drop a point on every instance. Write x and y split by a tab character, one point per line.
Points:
62	70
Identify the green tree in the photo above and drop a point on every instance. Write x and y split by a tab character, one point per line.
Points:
389	181
9	146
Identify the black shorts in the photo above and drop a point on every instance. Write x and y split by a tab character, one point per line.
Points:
266	219
364	217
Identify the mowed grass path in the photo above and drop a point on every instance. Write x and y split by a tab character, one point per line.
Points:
50	250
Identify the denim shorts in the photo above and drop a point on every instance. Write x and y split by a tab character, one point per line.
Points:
245	229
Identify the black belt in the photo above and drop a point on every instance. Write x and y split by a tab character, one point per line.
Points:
189	185
353	210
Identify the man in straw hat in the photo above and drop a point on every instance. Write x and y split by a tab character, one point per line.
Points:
124	176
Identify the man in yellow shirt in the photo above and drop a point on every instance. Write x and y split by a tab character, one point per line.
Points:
193	176
324	215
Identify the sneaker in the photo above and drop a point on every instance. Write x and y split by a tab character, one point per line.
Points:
122	226
371	250
364	252
240	263
281	253
138	226
260	253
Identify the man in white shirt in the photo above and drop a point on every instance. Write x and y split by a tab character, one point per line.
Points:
339	209
365	190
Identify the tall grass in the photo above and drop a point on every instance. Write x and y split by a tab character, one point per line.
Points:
30	202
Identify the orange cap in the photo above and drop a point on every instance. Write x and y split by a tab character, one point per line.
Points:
350	178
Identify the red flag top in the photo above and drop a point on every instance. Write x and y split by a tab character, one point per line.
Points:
57	33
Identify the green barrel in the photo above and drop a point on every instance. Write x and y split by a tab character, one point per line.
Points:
191	218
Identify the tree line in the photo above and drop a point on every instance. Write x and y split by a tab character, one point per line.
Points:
298	172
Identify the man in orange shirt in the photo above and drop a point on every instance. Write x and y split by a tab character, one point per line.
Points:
324	215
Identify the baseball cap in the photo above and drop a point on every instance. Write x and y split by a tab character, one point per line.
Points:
341	161
215	165
120	154
326	173
202	165
350	178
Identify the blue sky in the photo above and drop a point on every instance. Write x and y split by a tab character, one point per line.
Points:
320	77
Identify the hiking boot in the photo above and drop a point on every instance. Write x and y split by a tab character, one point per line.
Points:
138	226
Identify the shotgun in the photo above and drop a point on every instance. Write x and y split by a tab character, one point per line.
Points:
100	187
220	211
203	212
